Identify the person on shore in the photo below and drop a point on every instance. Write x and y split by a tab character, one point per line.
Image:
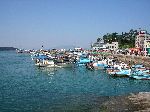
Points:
129	64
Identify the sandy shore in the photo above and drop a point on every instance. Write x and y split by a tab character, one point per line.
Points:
139	102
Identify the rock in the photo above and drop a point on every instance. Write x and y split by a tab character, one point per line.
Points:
139	102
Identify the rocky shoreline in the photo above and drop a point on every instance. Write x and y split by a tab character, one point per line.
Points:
139	102
134	59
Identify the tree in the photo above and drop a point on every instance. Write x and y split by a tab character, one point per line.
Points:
125	40
99	39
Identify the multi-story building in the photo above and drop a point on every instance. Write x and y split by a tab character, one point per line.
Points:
98	46
142	41
140	38
112	46
147	47
102	45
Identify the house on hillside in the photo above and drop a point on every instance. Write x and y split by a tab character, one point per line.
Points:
101	45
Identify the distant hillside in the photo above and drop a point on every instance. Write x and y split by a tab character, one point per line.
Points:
7	48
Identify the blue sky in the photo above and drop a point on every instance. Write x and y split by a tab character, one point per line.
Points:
32	23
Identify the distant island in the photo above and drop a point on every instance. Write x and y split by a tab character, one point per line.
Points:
7	48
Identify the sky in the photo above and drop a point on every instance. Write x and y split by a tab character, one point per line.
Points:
29	24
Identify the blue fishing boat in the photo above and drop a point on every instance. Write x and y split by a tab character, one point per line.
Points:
141	77
121	73
100	64
83	61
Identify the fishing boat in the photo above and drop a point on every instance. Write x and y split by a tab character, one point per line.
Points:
42	60
140	74
120	70
83	61
45	63
122	73
100	64
141	77
64	62
89	66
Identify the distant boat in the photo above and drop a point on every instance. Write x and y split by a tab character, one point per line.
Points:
20	51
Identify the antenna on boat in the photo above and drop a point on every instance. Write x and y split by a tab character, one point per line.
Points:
42	47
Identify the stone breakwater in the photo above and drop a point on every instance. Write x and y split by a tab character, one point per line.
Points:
134	59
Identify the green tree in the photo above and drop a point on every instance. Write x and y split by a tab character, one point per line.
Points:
125	40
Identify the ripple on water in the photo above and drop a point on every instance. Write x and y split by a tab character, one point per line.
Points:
23	87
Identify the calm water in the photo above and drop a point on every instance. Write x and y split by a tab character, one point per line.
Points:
25	88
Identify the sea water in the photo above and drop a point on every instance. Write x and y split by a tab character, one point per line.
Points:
27	88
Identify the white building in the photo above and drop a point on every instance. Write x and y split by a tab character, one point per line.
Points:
99	45
112	46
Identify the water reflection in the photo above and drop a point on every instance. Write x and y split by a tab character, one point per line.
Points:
49	71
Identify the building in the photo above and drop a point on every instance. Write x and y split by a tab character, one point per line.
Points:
147	47
102	45
140	38
98	46
142	42
113	46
